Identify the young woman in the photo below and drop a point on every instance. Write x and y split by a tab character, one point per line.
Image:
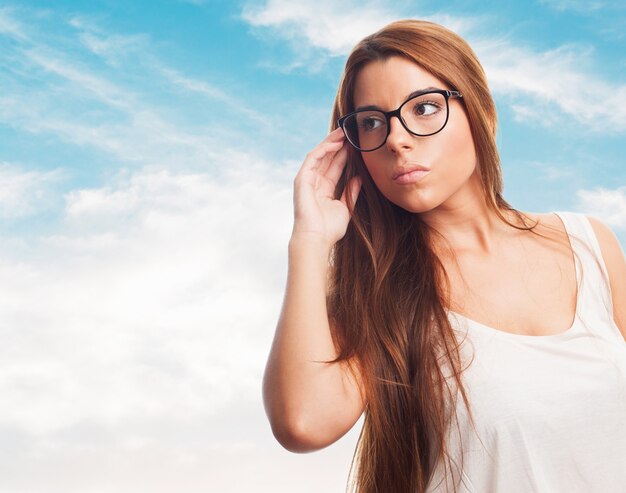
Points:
485	345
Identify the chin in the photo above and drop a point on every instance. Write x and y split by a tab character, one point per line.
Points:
412	206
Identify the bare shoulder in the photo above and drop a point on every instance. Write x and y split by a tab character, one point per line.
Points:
547	224
548	219
615	262
550	224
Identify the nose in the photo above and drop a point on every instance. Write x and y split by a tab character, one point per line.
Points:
399	137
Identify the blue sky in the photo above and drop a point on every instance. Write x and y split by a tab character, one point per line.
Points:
147	153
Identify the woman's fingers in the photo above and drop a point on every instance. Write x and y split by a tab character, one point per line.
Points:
326	160
335	135
316	161
331	141
314	206
336	164
314	157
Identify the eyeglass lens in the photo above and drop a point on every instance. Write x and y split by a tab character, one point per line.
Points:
423	115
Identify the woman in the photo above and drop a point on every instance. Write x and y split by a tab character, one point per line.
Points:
431	287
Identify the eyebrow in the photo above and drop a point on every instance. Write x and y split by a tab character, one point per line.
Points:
412	95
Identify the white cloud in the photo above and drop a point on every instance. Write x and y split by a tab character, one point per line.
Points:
605	203
152	305
332	26
322	29
25	192
213	92
124	126
555	173
191	459
114	47
99	112
580	6
81	79
137	329
145	139
549	172
142	312
545	88
198	3
136	335
10	26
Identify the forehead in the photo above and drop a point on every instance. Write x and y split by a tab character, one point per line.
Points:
386	83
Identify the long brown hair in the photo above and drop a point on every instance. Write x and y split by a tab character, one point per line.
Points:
388	289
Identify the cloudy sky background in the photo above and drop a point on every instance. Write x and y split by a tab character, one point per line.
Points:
147	152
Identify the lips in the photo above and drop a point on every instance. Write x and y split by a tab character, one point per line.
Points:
409	168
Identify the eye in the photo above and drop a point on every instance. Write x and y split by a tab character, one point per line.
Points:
426	108
370	123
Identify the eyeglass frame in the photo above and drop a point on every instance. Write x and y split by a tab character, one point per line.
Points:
388	114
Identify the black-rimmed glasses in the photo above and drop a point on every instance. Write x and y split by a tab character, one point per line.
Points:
423	114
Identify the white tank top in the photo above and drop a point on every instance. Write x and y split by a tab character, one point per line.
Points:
550	411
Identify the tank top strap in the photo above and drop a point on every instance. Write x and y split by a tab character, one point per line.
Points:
593	276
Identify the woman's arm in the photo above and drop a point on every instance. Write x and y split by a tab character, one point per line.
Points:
309	404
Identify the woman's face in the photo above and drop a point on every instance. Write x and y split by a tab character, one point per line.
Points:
449	155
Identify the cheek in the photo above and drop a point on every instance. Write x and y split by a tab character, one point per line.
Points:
463	148
456	147
463	144
454	162
378	173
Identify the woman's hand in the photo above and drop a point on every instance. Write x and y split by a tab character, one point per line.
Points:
317	214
